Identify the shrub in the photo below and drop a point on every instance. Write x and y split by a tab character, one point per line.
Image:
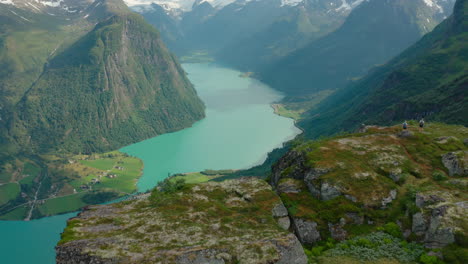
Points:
392	229
439	176
426	259
377	246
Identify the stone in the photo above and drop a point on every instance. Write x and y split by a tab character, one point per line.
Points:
284	223
279	210
419	226
407	233
405	134
306	231
425	200
312	175
453	163
438	236
439	211
351	198
328	191
465	141
356	218
336	230
289	186
387	200
290	252
395	174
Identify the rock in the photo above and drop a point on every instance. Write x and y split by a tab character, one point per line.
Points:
392	196
405	134
328	192
289	186
419	226
425	200
439	211
279	210
406	233
395	174
294	163
284	222
351	198
290	251
465	141
454	165
337	232
209	256
437	236
312	175
306	231
356	218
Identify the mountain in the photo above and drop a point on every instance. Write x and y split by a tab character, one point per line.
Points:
427	80
245	34
90	87
374	32
302	23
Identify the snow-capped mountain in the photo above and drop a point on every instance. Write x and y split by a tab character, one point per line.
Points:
41	6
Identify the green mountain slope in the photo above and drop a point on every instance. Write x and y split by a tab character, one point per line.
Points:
115	85
430	79
373	33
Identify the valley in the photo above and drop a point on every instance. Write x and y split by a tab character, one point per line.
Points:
233	131
232	136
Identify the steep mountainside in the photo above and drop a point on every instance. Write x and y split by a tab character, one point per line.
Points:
427	80
114	85
373	33
79	77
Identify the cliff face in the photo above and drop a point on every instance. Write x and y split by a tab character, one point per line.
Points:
362	183
96	82
236	221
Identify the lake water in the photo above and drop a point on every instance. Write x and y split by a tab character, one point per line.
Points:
239	130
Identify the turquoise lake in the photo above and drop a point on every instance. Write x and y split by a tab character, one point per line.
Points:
239	130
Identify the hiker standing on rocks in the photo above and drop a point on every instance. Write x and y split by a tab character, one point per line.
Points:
405	125
421	125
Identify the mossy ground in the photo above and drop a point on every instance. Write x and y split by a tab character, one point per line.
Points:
361	164
233	216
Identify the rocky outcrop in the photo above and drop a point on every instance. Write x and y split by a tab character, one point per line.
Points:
337	231
235	221
456	163
306	231
387	200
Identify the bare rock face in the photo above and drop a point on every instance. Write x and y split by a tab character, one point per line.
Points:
337	231
306	231
456	162
210	223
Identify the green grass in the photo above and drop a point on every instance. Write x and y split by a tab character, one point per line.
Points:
18	213
124	182
8	192
62	204
283	111
195	177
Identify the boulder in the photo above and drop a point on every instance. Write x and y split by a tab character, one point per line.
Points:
336	230
328	191
438	236
395	174
405	134
425	200
356	218
392	196
453	163
288	186
279	210
419	226
306	231
284	222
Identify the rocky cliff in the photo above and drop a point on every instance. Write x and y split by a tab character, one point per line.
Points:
411	184
235	221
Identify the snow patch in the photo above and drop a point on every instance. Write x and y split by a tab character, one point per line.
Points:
7	2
